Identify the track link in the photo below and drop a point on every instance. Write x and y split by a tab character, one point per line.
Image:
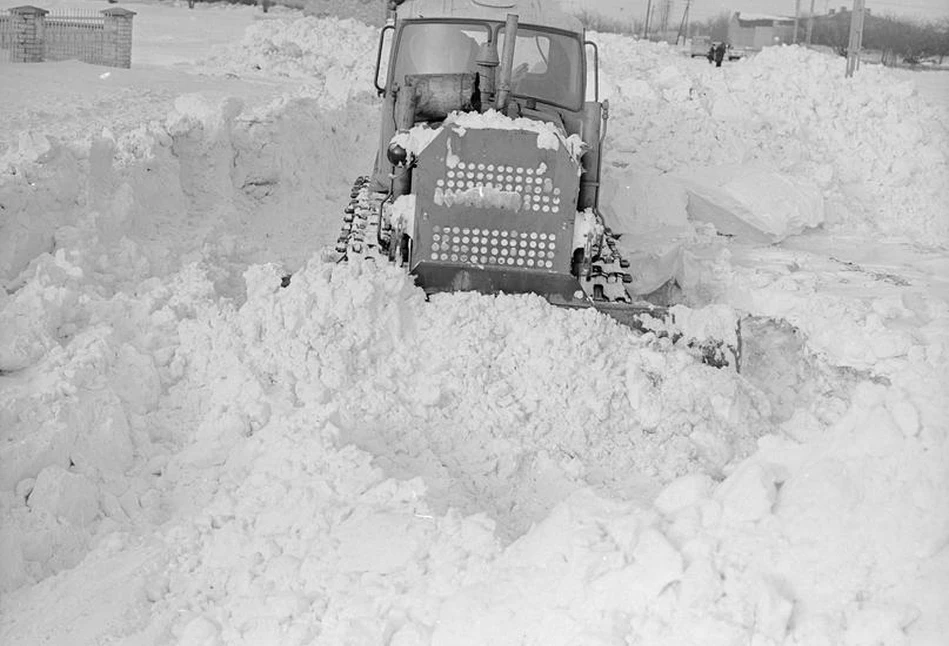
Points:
363	233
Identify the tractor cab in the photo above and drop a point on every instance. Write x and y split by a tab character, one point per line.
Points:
453	51
547	65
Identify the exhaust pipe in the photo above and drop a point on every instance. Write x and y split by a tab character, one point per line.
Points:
507	63
487	63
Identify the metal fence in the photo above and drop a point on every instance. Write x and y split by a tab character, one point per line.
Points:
75	34
31	35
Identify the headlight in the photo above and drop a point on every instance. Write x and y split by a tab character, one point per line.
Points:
397	155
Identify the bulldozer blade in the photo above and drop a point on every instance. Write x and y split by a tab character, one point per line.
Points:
563	290
647	318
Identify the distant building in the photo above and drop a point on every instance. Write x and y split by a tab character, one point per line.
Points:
844	11
754	31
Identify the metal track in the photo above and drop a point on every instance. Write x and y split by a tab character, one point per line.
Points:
363	234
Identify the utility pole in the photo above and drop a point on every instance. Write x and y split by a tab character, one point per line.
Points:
856	37
684	25
646	22
797	17
810	24
664	10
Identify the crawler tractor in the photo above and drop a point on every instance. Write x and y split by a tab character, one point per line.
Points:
488	168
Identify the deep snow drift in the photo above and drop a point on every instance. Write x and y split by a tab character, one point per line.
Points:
193	455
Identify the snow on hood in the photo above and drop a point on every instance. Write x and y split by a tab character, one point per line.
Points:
549	136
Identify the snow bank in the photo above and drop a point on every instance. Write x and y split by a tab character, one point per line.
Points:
334	59
174	184
236	404
527	442
869	148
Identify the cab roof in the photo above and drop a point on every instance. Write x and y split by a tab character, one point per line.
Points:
533	12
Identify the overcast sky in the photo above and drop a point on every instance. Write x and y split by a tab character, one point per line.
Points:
636	9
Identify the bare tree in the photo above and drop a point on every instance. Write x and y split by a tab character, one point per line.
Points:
898	40
717	26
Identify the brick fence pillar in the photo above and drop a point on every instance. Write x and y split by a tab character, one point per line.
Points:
117	48
29	29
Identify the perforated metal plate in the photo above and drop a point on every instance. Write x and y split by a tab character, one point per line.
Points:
493	199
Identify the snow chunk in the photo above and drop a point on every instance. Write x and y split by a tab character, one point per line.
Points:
659	562
713	323
683	492
749	493
416	139
65	495
751	203
196	108
403	213
381	543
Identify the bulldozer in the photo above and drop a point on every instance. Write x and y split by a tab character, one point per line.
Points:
487	174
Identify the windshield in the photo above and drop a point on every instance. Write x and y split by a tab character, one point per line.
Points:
547	65
438	48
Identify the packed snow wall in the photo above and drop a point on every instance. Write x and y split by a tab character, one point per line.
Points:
98	227
177	183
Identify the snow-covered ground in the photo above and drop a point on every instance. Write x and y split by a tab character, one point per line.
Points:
190	454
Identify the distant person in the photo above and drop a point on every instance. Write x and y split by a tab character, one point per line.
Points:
719	54
711	54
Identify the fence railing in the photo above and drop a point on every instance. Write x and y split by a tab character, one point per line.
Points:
31	35
74	35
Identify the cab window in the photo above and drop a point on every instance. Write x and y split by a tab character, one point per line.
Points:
438	48
547	67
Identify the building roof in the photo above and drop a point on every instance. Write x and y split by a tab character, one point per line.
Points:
533	12
742	16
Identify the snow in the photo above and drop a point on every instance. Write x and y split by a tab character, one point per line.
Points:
868	147
326	54
549	136
762	16
192	454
